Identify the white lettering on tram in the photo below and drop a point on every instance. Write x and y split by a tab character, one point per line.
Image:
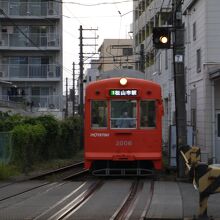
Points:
99	135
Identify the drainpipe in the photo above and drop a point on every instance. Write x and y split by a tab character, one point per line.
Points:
213	122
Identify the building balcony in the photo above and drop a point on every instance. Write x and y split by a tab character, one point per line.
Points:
31	102
23	10
30	72
31	41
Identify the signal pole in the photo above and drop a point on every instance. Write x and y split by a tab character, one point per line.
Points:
179	84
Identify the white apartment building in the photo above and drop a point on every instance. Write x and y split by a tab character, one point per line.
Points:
31	52
201	19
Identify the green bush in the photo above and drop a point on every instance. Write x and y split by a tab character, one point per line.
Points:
7	122
51	125
69	137
41	138
27	143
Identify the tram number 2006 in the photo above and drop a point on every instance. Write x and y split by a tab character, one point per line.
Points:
124	143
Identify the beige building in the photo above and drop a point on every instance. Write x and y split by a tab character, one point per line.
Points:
116	54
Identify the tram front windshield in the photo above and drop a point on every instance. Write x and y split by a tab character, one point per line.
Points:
123	114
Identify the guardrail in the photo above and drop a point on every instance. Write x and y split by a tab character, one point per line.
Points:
206	178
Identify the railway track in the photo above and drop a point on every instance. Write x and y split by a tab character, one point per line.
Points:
100	198
61	174
66	211
127	207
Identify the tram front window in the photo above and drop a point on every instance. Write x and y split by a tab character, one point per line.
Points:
99	114
123	114
148	114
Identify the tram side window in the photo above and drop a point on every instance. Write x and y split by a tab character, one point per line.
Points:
148	114
99	114
123	114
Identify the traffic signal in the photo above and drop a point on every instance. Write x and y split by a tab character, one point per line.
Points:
161	37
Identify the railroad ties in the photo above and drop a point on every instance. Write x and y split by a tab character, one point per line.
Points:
206	178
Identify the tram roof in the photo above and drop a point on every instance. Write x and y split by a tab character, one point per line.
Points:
122	73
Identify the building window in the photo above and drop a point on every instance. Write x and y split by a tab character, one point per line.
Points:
127	51
194	31
198	60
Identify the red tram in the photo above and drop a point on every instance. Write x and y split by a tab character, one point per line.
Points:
123	130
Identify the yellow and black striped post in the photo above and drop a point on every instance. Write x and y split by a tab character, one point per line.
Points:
192	157
207	178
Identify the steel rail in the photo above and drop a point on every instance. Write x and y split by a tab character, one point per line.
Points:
57	171
148	204
123	211
73	206
43	175
76	174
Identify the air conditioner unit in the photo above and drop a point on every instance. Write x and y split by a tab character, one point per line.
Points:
1	74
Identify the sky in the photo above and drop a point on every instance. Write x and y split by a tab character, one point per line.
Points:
111	18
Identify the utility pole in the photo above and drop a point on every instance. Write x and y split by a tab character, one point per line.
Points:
81	71
81	63
179	84
73	91
66	112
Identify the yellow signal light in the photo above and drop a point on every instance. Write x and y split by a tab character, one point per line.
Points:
163	39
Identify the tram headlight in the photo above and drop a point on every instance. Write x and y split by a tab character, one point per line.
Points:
123	81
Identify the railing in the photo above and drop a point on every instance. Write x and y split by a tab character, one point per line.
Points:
31	102
4	102
30	71
28	9
32	40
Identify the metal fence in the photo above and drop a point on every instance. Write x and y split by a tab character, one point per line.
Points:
5	147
